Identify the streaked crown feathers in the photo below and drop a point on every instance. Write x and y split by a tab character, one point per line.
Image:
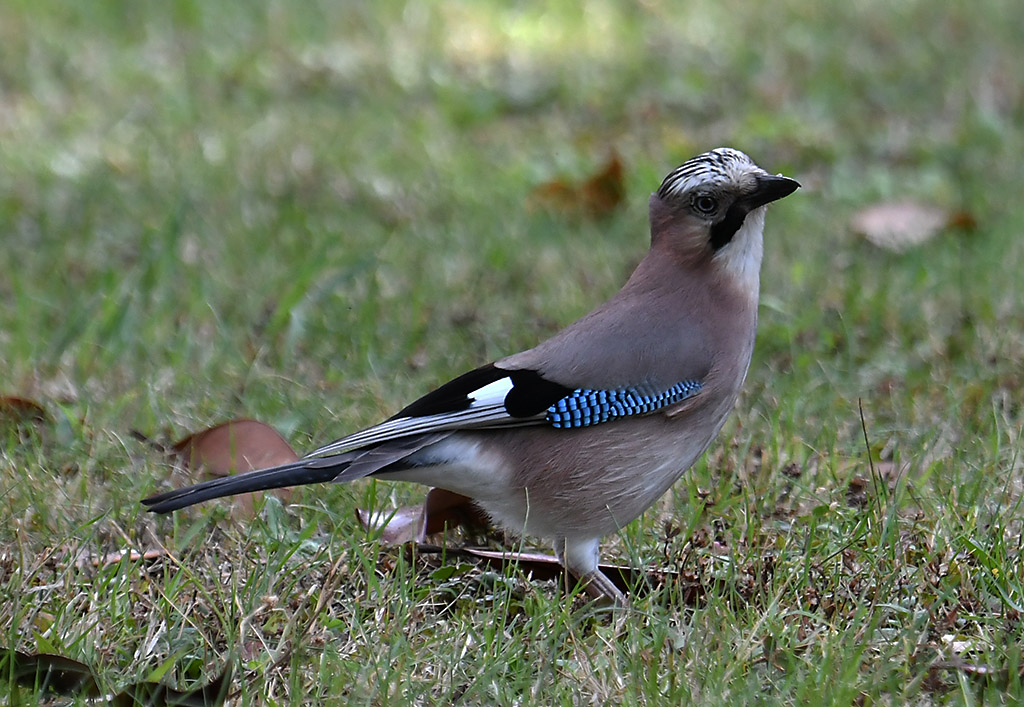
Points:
718	167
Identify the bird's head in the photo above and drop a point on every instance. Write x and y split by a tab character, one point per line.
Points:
712	208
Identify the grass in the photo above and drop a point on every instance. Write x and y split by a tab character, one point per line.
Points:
312	213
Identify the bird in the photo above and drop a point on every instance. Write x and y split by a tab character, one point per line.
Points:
576	437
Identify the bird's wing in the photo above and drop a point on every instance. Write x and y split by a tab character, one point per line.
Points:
491	397
641	338
485	397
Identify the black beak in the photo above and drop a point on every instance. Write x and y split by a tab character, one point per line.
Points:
770	187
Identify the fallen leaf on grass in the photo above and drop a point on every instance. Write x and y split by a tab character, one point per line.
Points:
404	525
18	414
547	567
237	446
963	221
15	408
857	492
212	694
112	558
901	225
979	672
596	197
48	673
444	510
51	673
441	509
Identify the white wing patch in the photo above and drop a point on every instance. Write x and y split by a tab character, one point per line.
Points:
492	393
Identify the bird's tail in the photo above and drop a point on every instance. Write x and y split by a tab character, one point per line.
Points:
345	466
300	473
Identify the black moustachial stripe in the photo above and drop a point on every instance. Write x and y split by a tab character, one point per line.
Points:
723	231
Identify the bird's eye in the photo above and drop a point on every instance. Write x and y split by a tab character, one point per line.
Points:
705	204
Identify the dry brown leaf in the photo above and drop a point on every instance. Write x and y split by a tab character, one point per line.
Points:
546	567
237	446
17	410
404	525
605	190
50	673
556	196
112	558
53	674
441	509
596	197
857	492
963	221
445	510
900	225
979	672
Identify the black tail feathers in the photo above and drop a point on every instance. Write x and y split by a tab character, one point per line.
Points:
344	466
300	473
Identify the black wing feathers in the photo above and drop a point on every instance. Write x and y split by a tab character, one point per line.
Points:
453	395
530	395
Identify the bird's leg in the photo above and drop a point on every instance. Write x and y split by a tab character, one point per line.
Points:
579	558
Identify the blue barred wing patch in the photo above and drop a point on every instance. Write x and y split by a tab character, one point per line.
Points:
584	407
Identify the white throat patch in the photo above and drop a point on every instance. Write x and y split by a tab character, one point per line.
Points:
741	257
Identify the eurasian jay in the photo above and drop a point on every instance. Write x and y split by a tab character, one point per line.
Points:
576	437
